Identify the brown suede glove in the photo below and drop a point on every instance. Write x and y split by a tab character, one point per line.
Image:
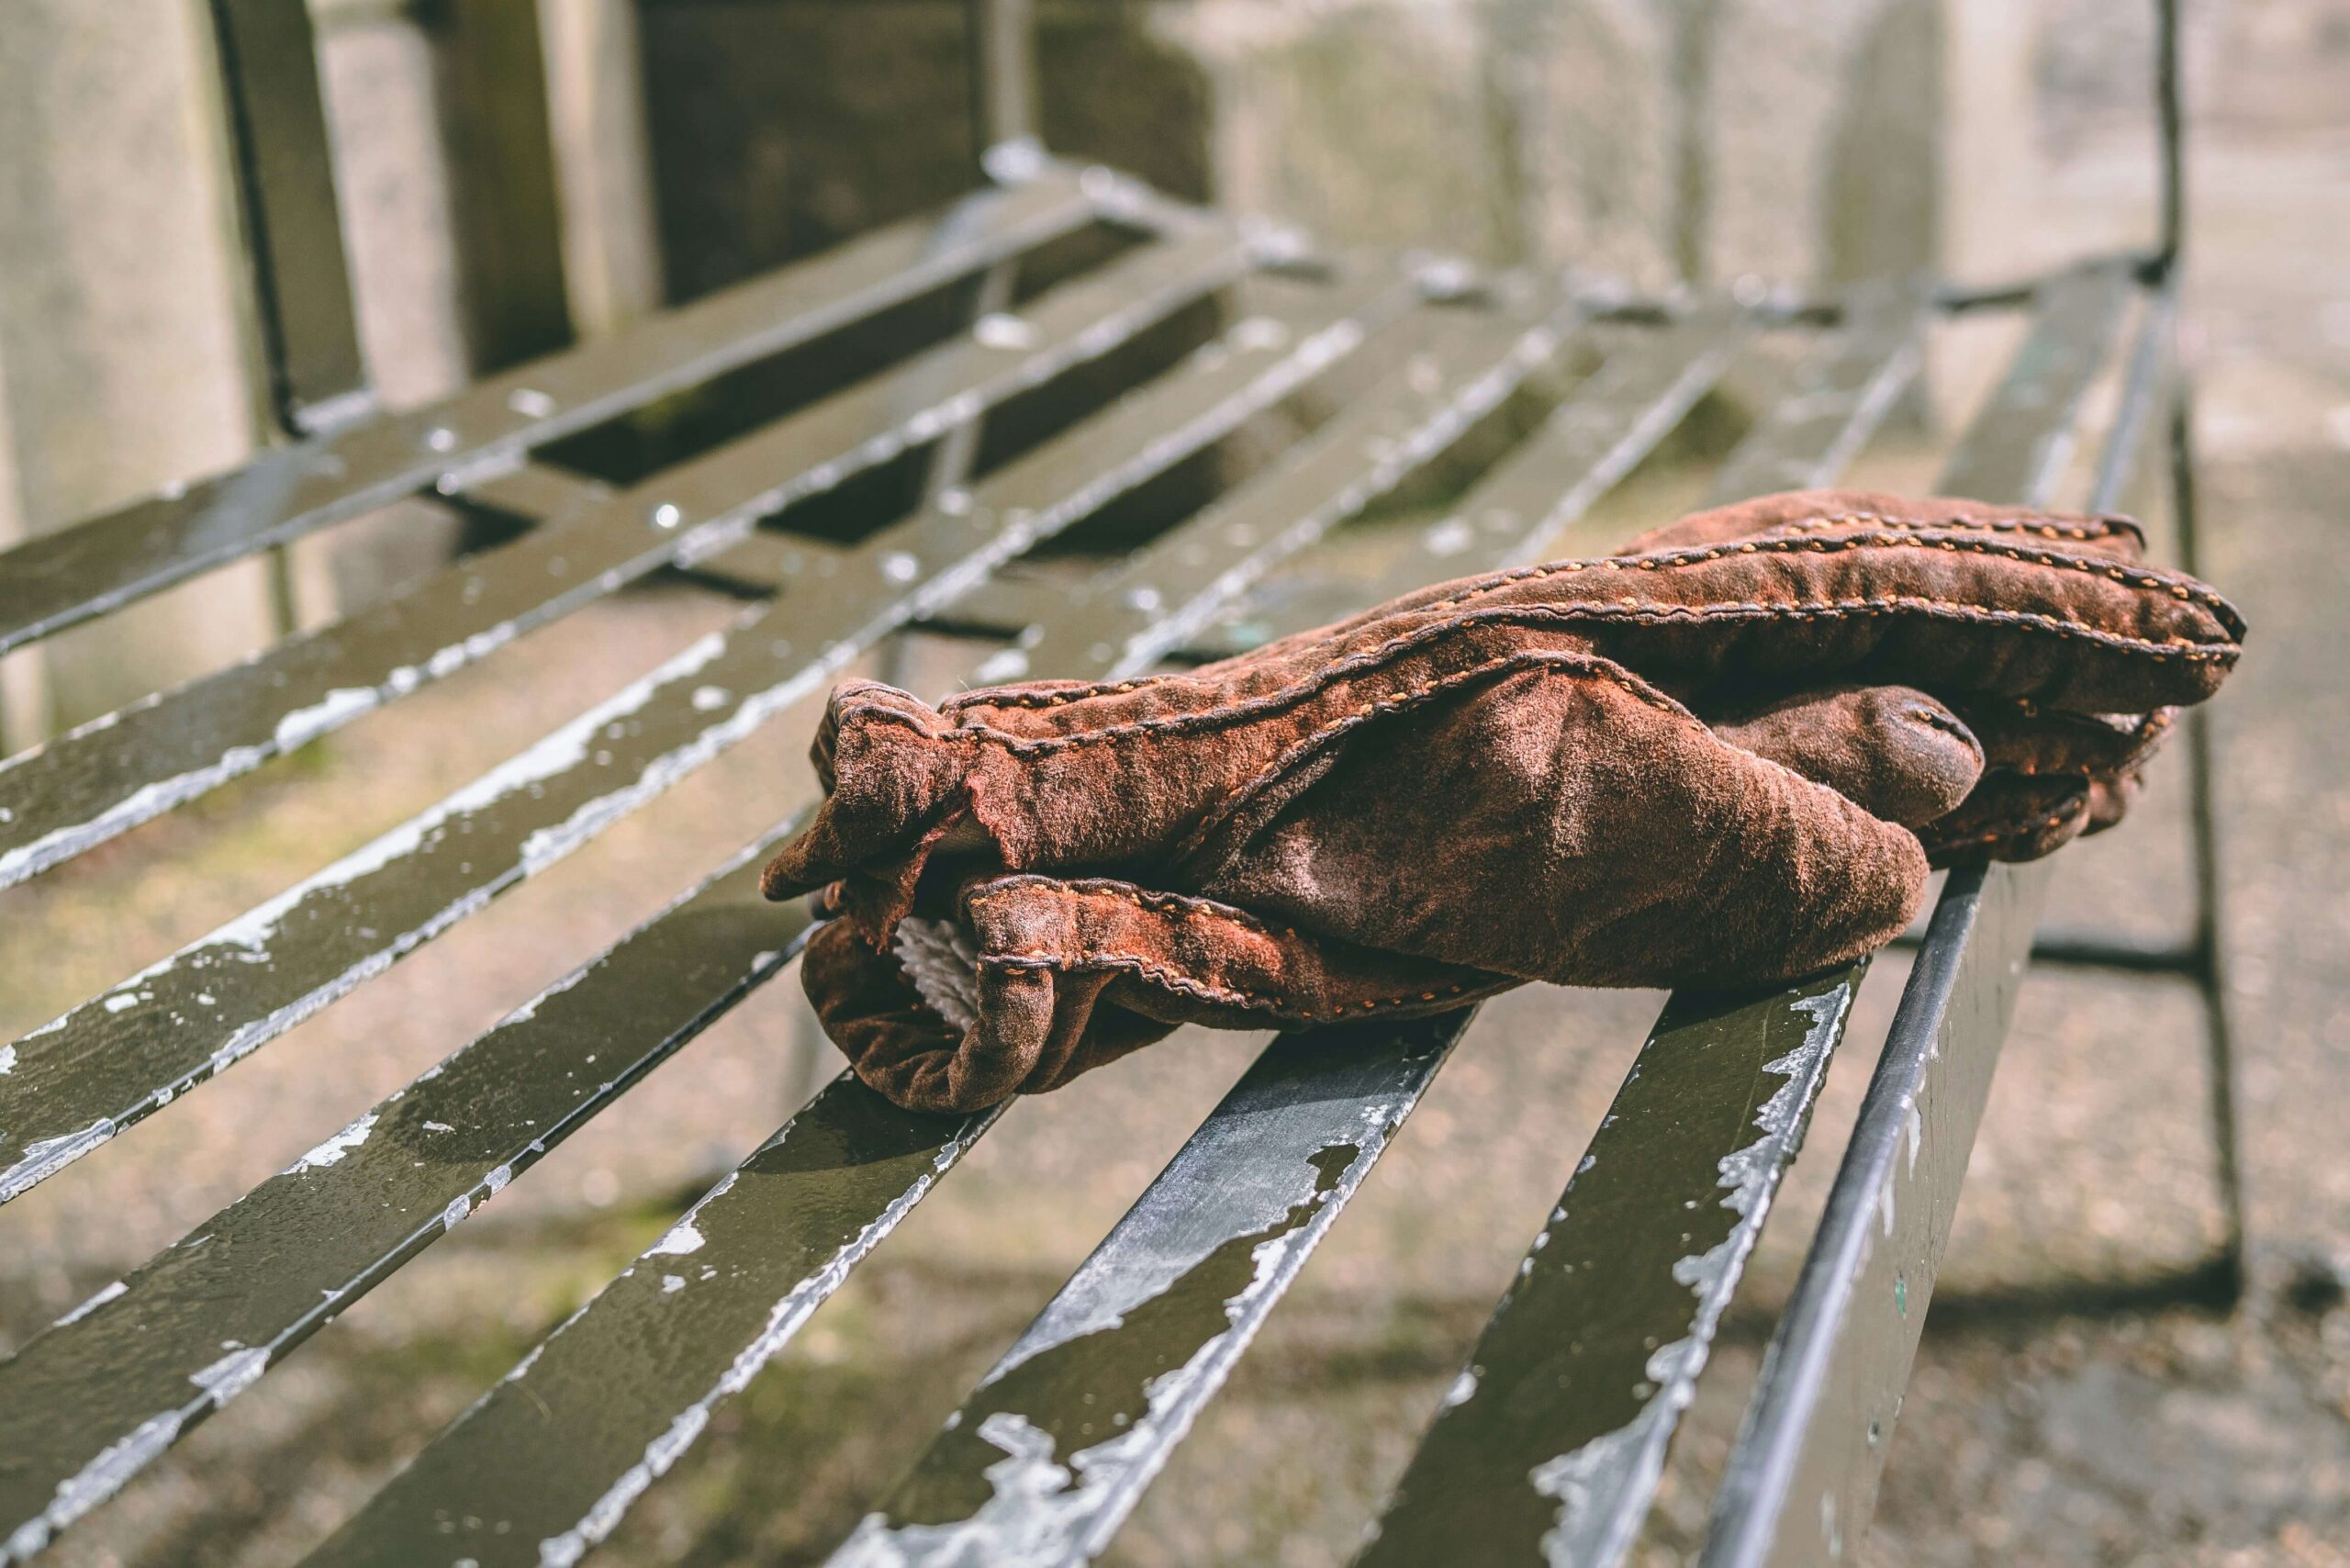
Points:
1711	760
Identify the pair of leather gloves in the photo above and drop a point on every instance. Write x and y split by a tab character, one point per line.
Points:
1726	757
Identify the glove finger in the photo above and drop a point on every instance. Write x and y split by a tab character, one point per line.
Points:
891	793
1041	979
2011	817
1999	607
1185	959
1571	824
1892	750
1953	609
1796	512
2023	737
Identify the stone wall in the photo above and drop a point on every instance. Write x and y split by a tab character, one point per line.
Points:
121	365
1655	139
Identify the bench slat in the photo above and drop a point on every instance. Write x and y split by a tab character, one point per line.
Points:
1050	1453
1586	437
1840	396
538	493
108	776
123	1055
1584	449
1802	1481
559	1450
1555	1432
1161	597
60	579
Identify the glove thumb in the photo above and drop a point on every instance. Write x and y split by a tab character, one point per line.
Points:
1891	750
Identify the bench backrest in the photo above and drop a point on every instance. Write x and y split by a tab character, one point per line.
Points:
302	293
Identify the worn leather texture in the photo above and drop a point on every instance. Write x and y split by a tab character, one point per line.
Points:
1726	757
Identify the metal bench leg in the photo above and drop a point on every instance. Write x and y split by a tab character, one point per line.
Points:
2208	949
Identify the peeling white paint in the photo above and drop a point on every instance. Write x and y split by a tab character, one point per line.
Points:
531	1357
1037	1508
333	710
231	1375
783	1321
335	1148
682	1238
8	1060
530	1008
91	1305
43	1157
1583	1481
672	1283
95	1482
1096	1299
564	1551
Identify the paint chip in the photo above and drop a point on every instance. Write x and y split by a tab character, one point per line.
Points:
681	1239
333	1151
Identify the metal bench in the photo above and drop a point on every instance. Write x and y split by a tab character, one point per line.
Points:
1551	1442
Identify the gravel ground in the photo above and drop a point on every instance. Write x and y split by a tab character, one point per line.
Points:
2062	1413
